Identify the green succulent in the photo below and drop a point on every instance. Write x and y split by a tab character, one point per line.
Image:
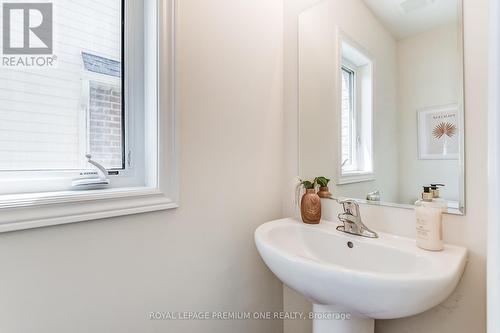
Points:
307	184
322	181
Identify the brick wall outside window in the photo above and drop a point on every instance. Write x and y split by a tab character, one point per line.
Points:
105	125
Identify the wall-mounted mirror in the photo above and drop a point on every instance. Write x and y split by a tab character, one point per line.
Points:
381	99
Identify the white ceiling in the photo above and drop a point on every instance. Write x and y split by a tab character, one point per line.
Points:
419	16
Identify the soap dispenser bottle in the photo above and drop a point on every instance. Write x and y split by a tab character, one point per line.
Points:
429	216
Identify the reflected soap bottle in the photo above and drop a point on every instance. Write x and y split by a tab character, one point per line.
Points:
429	222
436	197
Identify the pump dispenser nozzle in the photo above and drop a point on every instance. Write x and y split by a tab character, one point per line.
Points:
435	190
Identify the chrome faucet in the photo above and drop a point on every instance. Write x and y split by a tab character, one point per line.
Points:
352	220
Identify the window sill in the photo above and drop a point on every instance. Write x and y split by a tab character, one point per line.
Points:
355	177
26	211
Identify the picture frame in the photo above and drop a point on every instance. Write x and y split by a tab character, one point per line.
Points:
438	133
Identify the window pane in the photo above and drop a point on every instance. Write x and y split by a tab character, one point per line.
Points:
105	127
50	114
347	119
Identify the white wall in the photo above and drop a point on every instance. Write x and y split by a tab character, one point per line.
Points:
106	276
428	75
465	310
291	300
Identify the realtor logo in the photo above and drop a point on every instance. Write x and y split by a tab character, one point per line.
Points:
27	28
28	35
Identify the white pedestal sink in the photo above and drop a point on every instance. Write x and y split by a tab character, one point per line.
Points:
362	278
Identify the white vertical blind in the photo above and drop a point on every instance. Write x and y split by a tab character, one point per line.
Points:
347	118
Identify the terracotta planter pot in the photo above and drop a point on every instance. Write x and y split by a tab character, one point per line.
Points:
324	192
310	207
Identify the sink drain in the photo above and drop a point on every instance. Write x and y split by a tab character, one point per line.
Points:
350	245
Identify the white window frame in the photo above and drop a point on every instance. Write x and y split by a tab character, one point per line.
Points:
364	140
159	190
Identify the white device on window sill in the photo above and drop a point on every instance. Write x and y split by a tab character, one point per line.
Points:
92	180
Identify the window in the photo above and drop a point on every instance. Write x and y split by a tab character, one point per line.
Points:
86	82
42	110
349	138
53	116
356	87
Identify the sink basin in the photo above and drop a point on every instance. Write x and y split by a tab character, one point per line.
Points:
383	278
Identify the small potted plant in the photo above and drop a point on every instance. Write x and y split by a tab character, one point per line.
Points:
322	183
310	204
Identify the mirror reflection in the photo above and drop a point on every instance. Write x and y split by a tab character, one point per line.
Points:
381	99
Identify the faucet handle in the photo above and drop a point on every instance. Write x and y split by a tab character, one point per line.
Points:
350	207
352	220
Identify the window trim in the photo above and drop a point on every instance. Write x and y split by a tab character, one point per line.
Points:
161	190
355	176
